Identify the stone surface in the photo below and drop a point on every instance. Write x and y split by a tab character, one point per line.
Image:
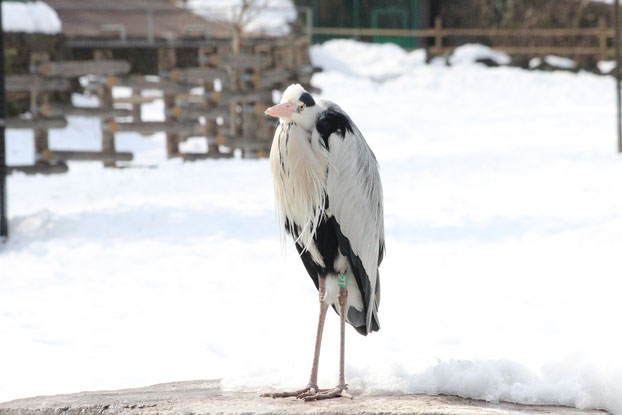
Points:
205	397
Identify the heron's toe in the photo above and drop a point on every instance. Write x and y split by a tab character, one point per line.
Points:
339	391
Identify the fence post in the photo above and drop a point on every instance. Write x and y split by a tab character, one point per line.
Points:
602	38
167	60
309	23
150	29
4	224
616	9
38	99
438	35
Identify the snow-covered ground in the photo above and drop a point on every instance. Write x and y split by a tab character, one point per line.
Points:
503	200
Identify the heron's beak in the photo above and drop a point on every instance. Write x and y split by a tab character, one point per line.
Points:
284	110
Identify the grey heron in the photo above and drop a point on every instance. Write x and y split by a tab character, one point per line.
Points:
329	200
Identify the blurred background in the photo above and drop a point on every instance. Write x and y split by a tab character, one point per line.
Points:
142	242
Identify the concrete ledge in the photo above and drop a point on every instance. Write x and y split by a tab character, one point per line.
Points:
205	397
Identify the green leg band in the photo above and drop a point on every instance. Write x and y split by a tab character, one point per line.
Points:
342	280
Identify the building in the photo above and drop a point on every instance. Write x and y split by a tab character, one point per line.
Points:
373	14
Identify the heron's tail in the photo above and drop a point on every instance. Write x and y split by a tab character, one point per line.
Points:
374	326
374	322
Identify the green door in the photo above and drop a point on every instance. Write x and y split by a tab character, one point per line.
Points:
391	18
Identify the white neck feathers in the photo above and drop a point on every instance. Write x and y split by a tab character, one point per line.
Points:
299	169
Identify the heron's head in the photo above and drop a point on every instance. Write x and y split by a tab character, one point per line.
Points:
297	105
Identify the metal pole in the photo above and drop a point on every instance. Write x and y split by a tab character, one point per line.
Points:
150	31
4	223
356	15
309	21
616	12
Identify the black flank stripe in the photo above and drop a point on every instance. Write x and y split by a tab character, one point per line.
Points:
362	279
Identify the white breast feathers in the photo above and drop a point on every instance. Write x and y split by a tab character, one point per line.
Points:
299	168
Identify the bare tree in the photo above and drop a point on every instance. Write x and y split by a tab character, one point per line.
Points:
243	15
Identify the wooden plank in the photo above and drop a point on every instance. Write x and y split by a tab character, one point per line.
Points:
39	123
136	110
140	82
60	110
438	36
275	78
152	127
172	139
108	139
192	112
40	168
545	50
167	58
135	100
33	83
211	96
247	97
73	69
58	155
248	143
428	33
535	32
228	97
241	60
196	75
347	31
203	156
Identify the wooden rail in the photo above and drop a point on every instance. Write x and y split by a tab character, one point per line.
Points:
58	155
601	33
229	117
72	69
32	83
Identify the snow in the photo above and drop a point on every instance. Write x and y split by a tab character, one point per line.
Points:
560	62
606	67
501	281
470	53
29	17
377	61
535	62
270	16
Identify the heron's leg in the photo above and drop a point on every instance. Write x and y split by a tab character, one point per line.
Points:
341	388
312	387
320	331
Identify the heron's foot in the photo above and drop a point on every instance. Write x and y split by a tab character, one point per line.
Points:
339	391
308	390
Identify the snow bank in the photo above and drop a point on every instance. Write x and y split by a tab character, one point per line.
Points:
501	280
271	16
30	17
469	54
377	61
606	66
382	62
560	62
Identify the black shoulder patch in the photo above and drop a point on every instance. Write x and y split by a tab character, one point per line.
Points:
331	121
307	99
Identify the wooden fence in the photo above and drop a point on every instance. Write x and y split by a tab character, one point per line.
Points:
221	100
601	36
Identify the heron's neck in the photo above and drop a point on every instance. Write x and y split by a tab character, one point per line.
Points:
299	177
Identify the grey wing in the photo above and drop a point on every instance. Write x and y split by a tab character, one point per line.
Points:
354	195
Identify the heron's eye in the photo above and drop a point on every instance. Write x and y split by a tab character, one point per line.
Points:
301	107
